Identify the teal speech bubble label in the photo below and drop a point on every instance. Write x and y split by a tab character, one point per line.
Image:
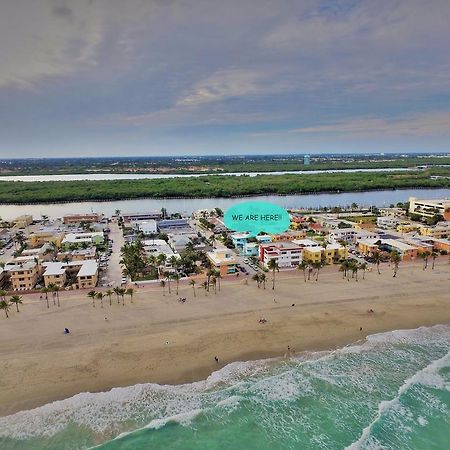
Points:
256	217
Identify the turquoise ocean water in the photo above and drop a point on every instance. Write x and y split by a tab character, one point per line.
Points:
391	391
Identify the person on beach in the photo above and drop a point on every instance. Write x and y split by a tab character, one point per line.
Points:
66	331
216	358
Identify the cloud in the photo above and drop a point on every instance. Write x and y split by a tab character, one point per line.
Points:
63	11
186	67
232	83
29	54
428	124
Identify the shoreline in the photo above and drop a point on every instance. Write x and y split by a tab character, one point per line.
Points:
40	365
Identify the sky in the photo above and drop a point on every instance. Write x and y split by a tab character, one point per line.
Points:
163	77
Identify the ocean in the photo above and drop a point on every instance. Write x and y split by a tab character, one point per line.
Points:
390	391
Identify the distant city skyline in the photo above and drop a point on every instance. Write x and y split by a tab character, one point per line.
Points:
157	78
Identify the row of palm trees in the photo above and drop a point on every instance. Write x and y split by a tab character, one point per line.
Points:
53	289
118	291
6	304
352	266
213	278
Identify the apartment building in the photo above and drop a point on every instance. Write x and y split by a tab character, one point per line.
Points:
70	219
405	250
79	239
23	275
85	272
329	254
239	239
350	235
286	254
387	222
429	208
289	235
40	238
87	277
439	231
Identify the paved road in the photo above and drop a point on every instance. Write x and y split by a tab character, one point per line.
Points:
114	271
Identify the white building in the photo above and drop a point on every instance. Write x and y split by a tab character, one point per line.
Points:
350	235
147	226
286	254
429	208
387	222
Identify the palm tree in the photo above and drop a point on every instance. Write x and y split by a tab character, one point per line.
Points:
109	293
93	295
205	287
354	267
257	279
434	255
377	259
56	291
16	299
130	292
218	277
363	267
317	265
214	283
310	269
51	288
176	277
122	294
117	292
168	276
192	283
263	279
45	291
424	256
161	259
162	283
345	269
5	305
3	294
395	258
99	296
303	266
210	274
273	266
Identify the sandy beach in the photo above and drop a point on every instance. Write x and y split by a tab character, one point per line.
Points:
158	339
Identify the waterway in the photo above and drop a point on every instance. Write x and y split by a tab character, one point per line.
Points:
188	205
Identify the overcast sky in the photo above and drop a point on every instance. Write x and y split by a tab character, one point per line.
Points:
160	77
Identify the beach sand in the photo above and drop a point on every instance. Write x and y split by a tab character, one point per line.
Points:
158	339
